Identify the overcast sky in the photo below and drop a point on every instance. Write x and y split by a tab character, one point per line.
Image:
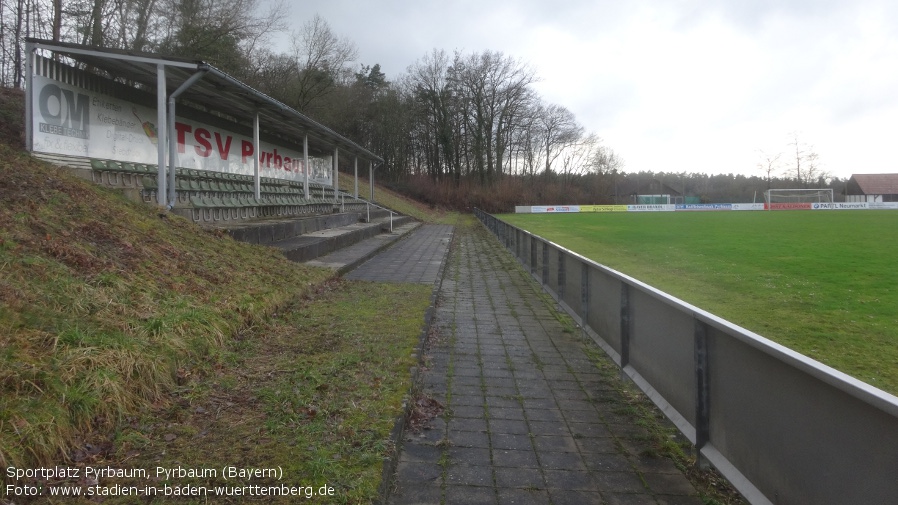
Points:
694	86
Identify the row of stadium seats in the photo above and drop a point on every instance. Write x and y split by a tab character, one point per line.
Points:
210	196
249	201
225	182
186	183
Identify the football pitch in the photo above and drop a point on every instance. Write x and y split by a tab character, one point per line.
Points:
824	283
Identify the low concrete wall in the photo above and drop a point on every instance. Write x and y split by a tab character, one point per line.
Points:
282	229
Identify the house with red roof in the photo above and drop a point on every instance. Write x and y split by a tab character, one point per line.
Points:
872	188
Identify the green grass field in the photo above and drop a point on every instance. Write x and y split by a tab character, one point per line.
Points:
822	283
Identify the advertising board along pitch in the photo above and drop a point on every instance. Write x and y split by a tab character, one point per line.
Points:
706	207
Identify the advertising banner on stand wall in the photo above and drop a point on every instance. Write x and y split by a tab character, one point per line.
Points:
72	121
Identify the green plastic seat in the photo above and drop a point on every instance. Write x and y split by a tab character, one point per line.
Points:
149	182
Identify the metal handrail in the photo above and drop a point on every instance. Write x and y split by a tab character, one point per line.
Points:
368	206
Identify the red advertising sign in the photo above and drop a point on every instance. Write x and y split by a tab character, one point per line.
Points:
788	206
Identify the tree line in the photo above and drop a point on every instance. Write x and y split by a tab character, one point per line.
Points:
457	129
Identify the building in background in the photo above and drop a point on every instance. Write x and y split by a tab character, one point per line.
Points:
872	188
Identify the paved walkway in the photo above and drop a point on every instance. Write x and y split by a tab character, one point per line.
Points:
528	418
352	256
415	259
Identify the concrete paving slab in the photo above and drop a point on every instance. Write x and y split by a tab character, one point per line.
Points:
417	259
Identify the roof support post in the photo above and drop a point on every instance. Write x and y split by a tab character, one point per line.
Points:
305	164
257	150
161	136
355	192
336	172
29	100
371	179
172	132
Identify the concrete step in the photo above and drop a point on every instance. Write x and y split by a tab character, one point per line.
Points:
319	243
348	258
269	231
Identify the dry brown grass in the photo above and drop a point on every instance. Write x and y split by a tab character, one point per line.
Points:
500	196
105	305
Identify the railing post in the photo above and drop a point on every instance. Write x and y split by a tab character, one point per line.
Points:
584	295
702	392
561	276
532	255
545	263
624	325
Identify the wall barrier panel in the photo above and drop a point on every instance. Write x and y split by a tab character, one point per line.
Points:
573	284
552	263
662	350
604	314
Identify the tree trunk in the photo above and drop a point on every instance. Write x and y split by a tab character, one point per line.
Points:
17	57
96	16
57	19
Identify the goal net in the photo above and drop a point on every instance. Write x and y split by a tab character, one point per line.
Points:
774	197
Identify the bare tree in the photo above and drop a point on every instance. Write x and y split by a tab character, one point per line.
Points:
140	20
807	170
495	89
576	157
434	85
513	104
800	150
20	19
605	161
815	175
769	164
222	32
559	129
321	59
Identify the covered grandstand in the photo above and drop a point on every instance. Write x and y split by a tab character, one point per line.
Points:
183	134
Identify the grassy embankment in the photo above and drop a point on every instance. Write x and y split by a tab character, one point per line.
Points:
398	202
134	339
822	283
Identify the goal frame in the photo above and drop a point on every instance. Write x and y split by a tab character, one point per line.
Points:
799	195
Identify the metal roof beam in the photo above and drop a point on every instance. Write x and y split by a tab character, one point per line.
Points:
60	48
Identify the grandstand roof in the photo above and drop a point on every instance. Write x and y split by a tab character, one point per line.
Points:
873	184
216	91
